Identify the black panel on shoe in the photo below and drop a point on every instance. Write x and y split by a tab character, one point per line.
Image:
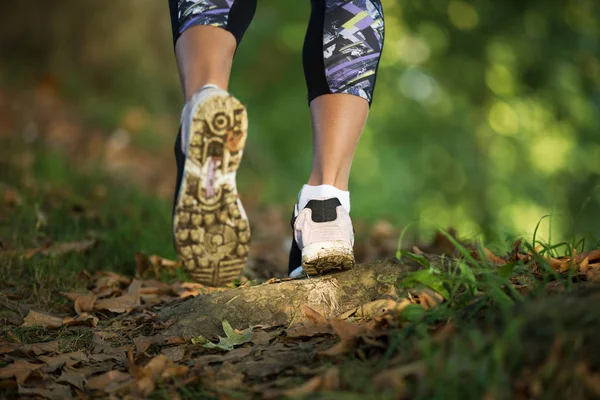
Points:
180	162
324	210
295	258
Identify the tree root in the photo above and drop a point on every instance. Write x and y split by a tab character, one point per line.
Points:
279	303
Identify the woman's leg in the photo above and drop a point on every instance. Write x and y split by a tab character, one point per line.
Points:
206	34
210	228
341	54
342	49
195	68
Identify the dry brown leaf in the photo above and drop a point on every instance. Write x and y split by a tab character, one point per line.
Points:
60	248
142	343
315	324
108	279
106	334
395	378
84	304
380	307
71	295
152	286
68	359
73	378
40	348
309	387
187	289
20	370
101	382
348	334
261	337
84	319
590	380
11	197
493	258
327	381
592	272
174	354
417	250
162	262
160	367
426	298
174	371
227	377
331	379
6	347
122	304
592	256
52	391
175	340
35	318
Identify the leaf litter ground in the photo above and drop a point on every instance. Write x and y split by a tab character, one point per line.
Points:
79	311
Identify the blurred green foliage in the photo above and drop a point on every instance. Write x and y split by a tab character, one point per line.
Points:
485	117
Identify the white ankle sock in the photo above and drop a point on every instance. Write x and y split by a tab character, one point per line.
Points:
309	193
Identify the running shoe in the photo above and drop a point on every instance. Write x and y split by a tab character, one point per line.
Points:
323	239
210	227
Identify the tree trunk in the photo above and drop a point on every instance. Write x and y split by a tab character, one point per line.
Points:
279	303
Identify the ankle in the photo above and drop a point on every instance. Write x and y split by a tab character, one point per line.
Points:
312	192
336	180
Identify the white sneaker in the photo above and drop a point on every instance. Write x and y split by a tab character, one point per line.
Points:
210	226
323	239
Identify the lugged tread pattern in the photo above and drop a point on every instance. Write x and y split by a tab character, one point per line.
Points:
212	232
327	261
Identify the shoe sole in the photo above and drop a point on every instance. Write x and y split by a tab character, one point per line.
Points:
325	257
211	229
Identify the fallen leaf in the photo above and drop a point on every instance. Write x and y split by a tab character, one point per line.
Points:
327	381
142	343
20	369
160	367
84	319
68	359
261	337
309	387
232	338
493	258
417	250
10	196
35	318
60	248
315	324
174	354
122	304
227	377
590	380
14	337
6	347
52	391
101	382
84	304
40	348
109	279
395	378
73	378
187	289
426	298
378	308
348	334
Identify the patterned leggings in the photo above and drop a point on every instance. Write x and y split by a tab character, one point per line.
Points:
342	46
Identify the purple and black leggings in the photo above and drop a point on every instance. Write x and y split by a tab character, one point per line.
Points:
342	46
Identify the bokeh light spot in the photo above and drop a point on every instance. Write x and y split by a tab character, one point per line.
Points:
503	119
463	15
499	79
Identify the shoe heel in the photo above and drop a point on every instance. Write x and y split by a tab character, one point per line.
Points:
325	257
